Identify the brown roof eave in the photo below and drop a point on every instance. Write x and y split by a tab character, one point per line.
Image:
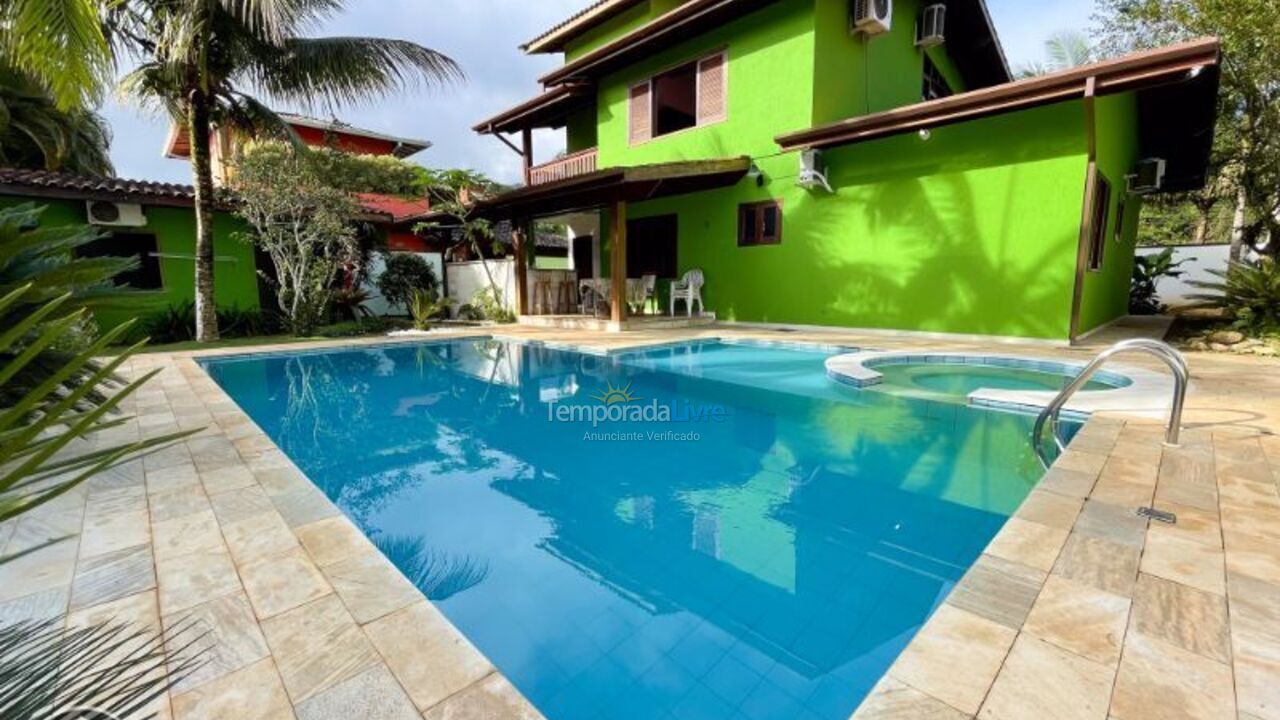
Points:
555	39
526	114
1143	69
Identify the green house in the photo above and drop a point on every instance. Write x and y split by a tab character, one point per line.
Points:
862	164
154	222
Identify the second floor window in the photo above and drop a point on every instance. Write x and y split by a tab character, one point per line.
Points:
935	85
683	97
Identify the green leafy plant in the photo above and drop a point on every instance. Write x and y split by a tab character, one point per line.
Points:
470	313
486	302
1147	272
176	323
405	275
348	304
1249	294
426	308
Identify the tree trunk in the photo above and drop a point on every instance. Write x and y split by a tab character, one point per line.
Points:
201	168
1237	225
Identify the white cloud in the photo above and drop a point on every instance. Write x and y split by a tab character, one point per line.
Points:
483	36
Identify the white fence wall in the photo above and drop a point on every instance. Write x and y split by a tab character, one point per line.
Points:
1200	259
468	278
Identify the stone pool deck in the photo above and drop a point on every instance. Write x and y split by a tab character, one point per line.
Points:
1078	609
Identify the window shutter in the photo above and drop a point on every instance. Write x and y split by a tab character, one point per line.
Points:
640	113
712	95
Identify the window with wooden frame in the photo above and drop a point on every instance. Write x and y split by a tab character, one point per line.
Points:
1101	212
682	97
140	246
760	223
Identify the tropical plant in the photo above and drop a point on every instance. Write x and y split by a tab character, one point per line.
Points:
406	274
198	59
1063	51
1147	272
59	44
176	323
110	670
1249	294
452	194
35	133
490	307
47	260
425	308
349	304
305	226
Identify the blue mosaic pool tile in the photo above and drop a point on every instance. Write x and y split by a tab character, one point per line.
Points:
701	703
731	679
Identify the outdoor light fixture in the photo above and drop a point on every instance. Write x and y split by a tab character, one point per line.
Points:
1194	72
925	134
756	174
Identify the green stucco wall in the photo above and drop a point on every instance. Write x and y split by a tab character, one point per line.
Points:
1106	291
235	274
955	234
618	26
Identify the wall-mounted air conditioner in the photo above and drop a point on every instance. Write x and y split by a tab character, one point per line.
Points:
1147	176
871	17
813	171
933	25
115	214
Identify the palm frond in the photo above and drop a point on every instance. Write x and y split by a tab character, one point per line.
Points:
107	670
61	42
336	71
277	20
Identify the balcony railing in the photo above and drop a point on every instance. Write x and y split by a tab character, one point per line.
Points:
579	163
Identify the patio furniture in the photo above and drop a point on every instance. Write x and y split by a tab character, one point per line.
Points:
644	292
688	289
542	301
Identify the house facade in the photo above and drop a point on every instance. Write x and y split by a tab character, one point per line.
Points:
879	170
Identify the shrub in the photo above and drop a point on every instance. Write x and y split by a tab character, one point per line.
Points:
176	324
486	301
405	274
1147	271
470	313
1249	294
425	307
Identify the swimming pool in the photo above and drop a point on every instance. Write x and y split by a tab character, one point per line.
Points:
701	531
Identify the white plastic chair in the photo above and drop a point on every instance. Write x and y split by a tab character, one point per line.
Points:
688	289
648	285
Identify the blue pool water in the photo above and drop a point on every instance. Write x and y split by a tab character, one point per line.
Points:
766	554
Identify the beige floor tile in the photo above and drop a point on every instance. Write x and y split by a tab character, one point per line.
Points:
283	582
371	586
140	611
227	477
112	576
1192	619
1157	679
1202	496
955	658
1028	543
1116	523
428	656
373	693
1043	681
1257	690
1185	561
1105	565
492	699
1192	524
182	476
178	503
226	634
188	534
998	590
1050	508
894	700
1072	483
236	505
104	533
1080	618
189	580
1123	493
1252	556
52	567
252	693
316	646
281	480
1253	520
333	540
258	536
1085	462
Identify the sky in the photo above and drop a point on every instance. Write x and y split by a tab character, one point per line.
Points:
483	37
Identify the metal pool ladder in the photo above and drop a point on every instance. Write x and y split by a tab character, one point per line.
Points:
1164	351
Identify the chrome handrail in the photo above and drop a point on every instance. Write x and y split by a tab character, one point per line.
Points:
1171	357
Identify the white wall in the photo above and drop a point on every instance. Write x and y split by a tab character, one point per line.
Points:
1175	291
468	278
377	304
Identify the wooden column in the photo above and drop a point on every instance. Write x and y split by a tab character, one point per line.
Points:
526	138
1086	217
520	239
618	263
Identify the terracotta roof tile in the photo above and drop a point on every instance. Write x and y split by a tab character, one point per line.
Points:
59	184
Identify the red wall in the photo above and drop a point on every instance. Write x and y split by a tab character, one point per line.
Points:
348	143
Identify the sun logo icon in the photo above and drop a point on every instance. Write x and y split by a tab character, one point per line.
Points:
615	395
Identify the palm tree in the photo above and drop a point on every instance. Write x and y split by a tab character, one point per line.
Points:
36	133
200	58
1063	50
60	44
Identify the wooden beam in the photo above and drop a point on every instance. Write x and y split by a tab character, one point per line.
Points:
1086	216
618	263
519	237
526	139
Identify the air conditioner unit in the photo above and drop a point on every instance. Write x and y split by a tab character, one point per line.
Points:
932	29
115	214
871	17
813	171
1147	177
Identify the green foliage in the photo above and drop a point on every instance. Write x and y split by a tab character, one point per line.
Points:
489	304
1147	272
44	259
470	313
51	671
59	44
305	226
425	307
1064	50
39	424
348	304
404	276
36	133
1249	294
177	323
385	174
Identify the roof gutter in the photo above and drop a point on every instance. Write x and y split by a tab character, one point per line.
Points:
1144	69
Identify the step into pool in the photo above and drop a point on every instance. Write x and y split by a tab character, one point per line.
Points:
705	530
